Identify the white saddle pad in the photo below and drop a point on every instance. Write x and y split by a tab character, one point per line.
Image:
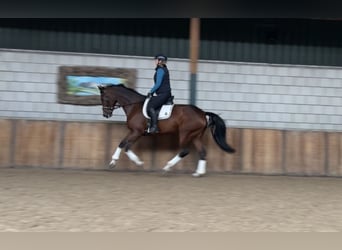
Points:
164	113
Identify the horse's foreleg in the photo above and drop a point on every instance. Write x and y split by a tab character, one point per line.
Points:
116	155
131	138
133	157
176	159
126	144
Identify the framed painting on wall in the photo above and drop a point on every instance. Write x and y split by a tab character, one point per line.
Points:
77	85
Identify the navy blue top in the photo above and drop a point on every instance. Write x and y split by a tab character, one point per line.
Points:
161	81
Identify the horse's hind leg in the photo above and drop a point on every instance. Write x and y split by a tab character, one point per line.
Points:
201	166
176	159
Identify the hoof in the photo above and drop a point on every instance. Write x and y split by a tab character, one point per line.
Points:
167	168
140	163
165	173
112	164
197	174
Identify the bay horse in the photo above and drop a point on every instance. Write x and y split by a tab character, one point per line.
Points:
188	121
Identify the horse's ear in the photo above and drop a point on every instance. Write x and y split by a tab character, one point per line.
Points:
101	87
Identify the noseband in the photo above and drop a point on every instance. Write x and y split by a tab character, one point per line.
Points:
111	109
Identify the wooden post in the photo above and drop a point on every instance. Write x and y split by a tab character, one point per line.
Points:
194	53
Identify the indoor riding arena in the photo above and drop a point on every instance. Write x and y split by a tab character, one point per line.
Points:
276	83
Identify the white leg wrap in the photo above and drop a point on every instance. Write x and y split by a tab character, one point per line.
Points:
172	162
116	155
134	157
201	168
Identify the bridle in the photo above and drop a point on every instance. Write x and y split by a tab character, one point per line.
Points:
111	109
118	105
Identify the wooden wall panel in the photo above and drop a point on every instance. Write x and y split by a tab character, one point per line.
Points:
262	151
5	142
145	149
334	159
247	150
37	143
215	155
305	153
91	145
219	160
84	145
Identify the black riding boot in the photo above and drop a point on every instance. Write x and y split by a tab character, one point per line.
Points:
153	123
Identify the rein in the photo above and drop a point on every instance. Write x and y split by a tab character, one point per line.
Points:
118	105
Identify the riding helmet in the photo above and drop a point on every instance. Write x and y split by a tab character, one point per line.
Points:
161	57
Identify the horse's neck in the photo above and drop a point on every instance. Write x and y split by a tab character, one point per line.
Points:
127	96
129	100
132	110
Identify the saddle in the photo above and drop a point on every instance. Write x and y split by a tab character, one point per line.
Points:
164	112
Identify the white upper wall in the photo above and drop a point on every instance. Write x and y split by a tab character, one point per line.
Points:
244	94
272	96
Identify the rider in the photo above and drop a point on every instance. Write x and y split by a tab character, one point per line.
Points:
161	88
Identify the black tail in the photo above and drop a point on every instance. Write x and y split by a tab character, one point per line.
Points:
218	130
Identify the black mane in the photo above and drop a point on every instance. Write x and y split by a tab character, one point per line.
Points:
123	86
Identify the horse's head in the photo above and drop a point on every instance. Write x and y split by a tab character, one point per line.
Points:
108	101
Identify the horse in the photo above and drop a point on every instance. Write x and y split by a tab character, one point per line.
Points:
188	121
